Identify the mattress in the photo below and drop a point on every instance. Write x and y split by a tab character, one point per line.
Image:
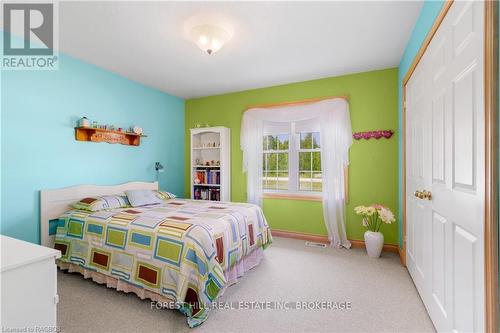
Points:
180	249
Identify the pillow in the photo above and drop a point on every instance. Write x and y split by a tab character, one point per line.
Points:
143	197
163	195
95	204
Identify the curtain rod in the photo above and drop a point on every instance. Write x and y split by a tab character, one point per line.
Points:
303	101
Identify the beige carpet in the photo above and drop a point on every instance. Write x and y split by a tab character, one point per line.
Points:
381	293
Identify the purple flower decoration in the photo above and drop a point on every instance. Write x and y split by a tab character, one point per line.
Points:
373	134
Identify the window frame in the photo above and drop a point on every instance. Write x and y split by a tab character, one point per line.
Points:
308	150
278	151
293	151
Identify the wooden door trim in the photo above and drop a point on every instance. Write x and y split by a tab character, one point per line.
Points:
427	40
491	165
491	155
402	253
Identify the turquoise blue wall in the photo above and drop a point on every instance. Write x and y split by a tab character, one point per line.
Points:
428	15
39	151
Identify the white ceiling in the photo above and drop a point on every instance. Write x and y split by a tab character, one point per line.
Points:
273	42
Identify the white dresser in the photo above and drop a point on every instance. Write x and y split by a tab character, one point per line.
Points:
28	278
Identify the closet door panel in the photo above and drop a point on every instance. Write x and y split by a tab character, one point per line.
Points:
446	158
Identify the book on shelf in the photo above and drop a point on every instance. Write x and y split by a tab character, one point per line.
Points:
211	194
201	175
208	177
213	177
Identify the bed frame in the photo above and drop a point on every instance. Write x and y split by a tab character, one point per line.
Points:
53	203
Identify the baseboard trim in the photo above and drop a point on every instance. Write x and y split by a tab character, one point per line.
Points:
300	235
324	239
387	247
402	256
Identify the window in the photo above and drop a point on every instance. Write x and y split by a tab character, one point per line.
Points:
310	177
275	162
292	161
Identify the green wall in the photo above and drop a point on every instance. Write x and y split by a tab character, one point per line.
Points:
373	174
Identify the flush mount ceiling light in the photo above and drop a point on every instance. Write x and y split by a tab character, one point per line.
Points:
209	38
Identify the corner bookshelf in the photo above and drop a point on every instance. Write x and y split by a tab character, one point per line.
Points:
211	163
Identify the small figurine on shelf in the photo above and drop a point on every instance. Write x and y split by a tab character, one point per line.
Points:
120	129
212	162
218	163
84	122
137	130
198	162
207	163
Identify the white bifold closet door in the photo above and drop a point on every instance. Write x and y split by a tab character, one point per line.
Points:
445	158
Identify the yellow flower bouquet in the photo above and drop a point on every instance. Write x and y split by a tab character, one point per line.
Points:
374	216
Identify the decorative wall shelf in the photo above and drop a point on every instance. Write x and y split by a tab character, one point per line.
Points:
109	136
204	148
373	134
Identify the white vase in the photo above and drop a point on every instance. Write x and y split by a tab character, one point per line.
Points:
374	242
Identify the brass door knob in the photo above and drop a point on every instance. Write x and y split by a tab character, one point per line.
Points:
427	195
423	194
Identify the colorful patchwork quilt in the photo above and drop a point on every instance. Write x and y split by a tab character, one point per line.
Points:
179	249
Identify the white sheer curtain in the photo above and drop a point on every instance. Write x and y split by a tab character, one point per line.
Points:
336	138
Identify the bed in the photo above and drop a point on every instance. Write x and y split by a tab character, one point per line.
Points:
180	253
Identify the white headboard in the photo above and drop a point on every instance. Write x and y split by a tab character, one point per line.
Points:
53	203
